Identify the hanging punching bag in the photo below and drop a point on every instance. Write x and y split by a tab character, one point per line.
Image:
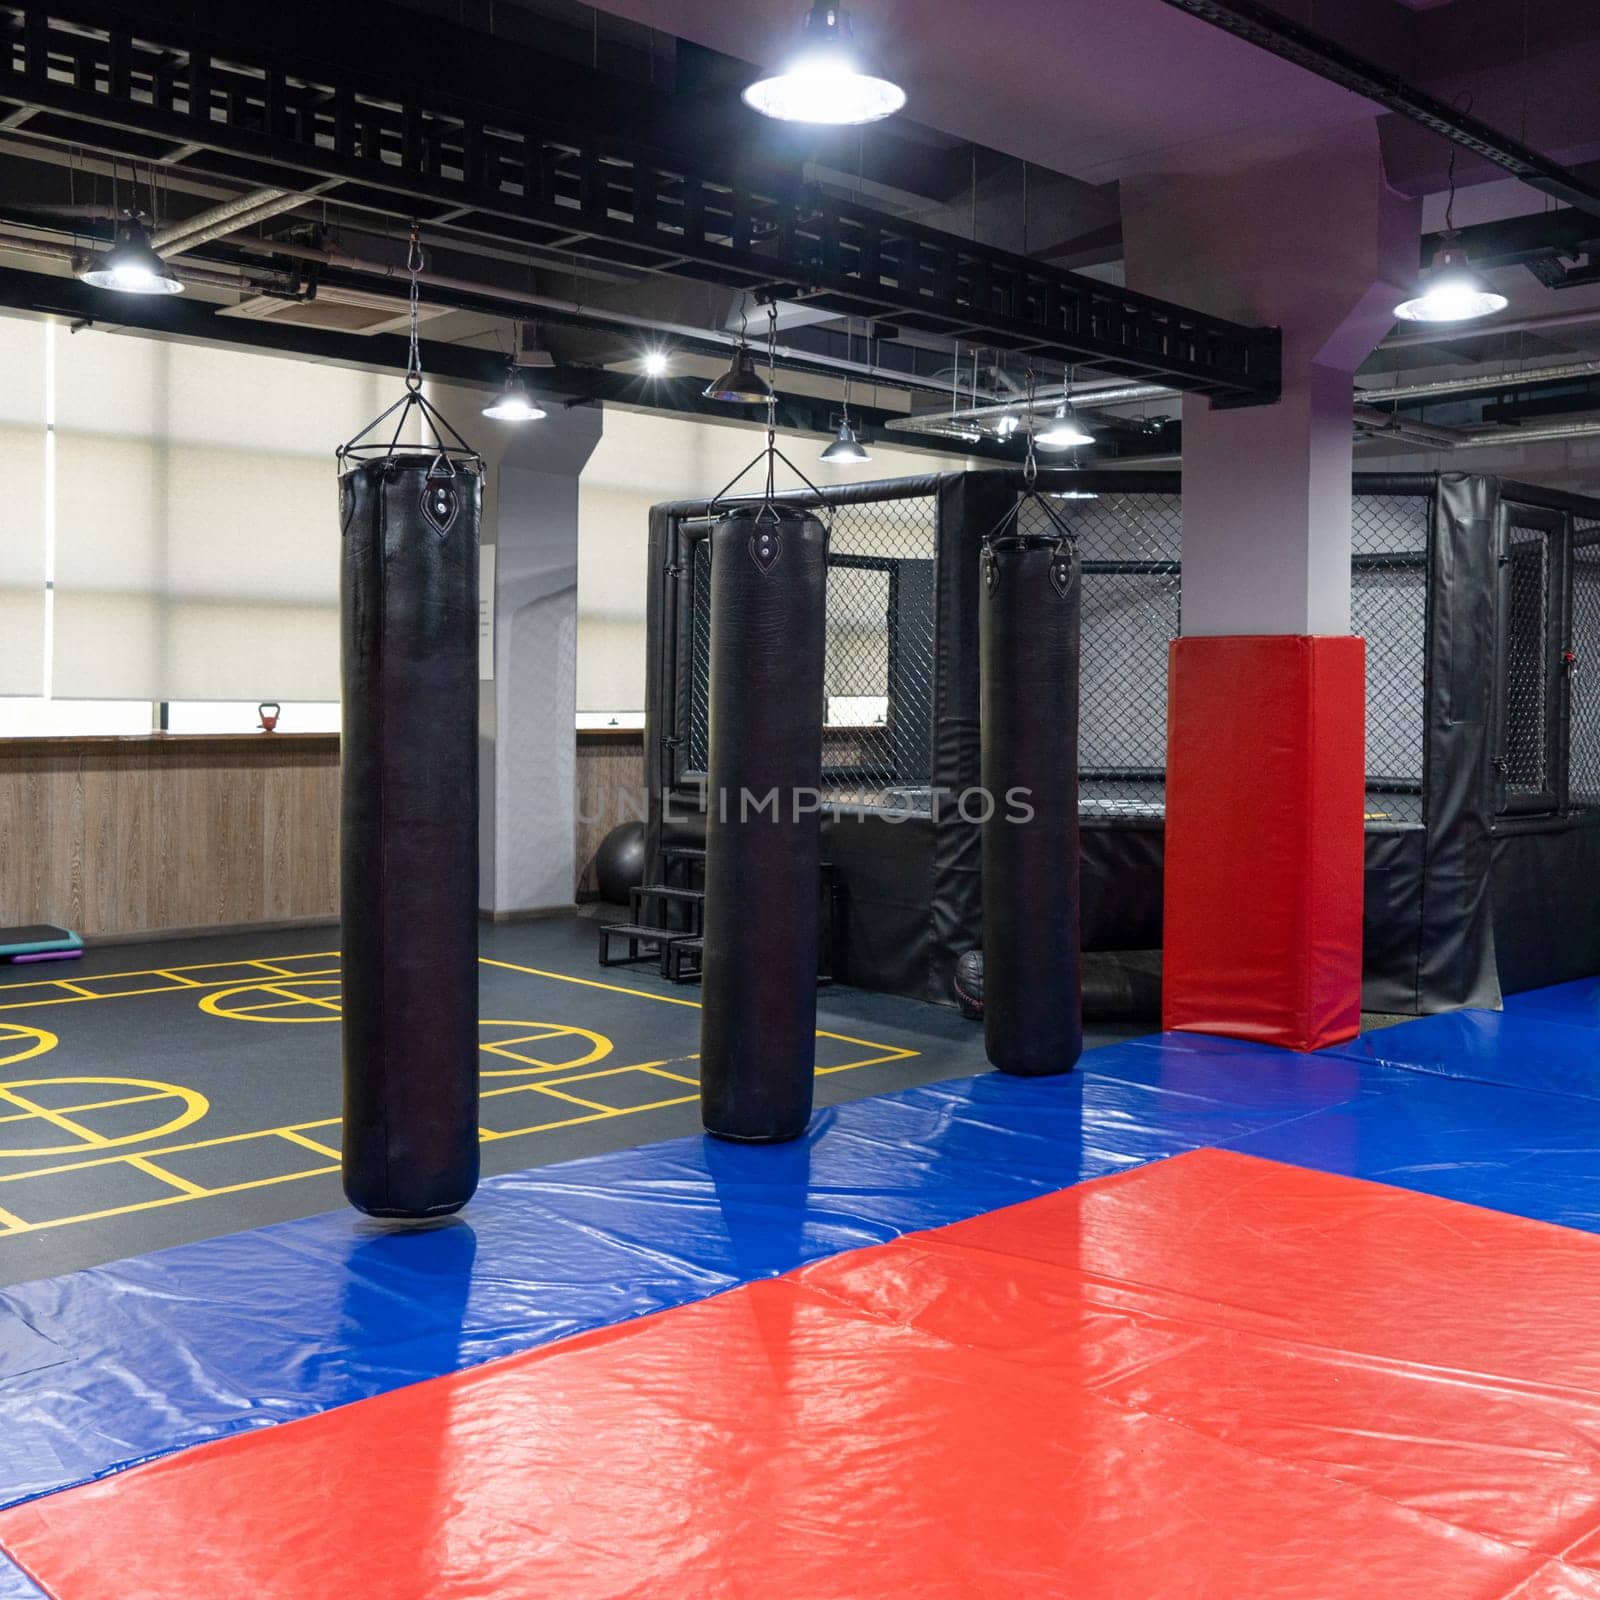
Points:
409	838
758	997
1028	668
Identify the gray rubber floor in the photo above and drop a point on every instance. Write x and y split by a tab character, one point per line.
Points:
152	1094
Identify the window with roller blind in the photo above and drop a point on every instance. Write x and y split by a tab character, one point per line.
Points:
196	525
24	479
169	518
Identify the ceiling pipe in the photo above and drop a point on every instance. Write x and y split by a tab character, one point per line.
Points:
555	308
1383	423
1442	333
229	216
1370	419
1510	378
515	302
223	226
1541	435
964	421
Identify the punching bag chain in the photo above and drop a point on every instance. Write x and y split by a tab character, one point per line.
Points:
1010	527
447	445
1030	466
772	398
414	268
770	454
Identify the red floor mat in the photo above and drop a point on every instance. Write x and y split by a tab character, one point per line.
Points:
1212	1376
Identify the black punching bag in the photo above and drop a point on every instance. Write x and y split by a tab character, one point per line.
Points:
409	840
1028	654
758	991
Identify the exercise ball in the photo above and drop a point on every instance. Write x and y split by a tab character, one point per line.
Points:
619	862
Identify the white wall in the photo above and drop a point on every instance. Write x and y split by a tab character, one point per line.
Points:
643	458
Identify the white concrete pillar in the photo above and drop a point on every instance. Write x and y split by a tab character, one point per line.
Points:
1266	700
527	711
1305	236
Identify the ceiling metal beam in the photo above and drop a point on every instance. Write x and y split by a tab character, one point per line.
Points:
104	79
1517	241
1270	30
186	317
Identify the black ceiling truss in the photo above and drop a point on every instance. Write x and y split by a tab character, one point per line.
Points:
1270	30
187	318
158	92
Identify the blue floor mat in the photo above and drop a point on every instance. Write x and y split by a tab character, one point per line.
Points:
149	1355
1519	1049
108	1367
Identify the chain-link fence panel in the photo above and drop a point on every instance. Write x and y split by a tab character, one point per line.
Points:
1583	760
1389	541
878	674
878	663
1526	753
1130	545
698	612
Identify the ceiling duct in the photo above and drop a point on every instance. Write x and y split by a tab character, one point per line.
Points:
333	308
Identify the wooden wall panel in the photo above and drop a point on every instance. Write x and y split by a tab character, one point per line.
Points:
116	837
610	790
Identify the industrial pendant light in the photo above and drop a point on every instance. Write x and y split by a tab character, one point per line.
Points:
1064	431
1450	291
131	265
514	403
845	445
741	384
826	80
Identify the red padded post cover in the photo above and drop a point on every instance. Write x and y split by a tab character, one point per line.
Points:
1266	789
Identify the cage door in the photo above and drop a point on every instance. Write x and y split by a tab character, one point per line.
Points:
1582	664
1529	758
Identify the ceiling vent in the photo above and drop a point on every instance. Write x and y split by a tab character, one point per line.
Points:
334	310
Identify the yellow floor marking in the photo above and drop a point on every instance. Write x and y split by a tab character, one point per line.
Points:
658	1070
601	1046
43	1042
296	1137
589	983
56	1119
91	1105
571	1099
214	1005
146	1165
284	983
174	985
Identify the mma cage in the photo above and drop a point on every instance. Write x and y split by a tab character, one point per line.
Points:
1479	599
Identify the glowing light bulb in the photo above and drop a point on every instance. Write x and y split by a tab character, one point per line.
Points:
826	80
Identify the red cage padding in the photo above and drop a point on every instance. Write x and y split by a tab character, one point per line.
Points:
1213	1376
1266	791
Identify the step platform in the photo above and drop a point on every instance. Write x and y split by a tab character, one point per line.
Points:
39	941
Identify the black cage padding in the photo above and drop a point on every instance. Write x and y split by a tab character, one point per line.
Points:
1483	723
